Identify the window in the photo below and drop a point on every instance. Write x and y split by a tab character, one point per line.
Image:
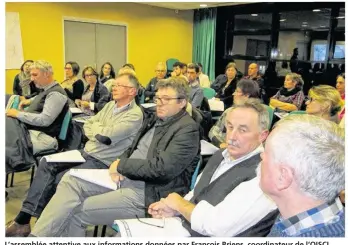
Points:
319	50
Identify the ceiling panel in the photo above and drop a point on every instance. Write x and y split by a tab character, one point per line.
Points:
188	6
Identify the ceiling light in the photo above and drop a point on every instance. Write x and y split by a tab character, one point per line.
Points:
316	10
340	17
322	26
254	15
304	22
203	5
283	20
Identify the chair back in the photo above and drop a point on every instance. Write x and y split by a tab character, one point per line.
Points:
271	114
170	62
65	126
209	93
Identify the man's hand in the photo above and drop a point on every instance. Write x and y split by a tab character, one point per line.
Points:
12	113
78	102
160	209
24	103
115	176
173	201
84	103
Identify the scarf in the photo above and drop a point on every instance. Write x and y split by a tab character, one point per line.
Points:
283	91
24	82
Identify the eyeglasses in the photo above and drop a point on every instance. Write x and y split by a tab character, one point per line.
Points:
146	223
164	100
116	85
89	75
67	68
160	70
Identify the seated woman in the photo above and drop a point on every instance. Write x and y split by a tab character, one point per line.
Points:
340	86
107	72
326	102
22	84
72	85
290	97
96	94
224	93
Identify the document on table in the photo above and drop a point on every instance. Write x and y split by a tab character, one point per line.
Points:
216	105
99	177
168	227
75	110
66	156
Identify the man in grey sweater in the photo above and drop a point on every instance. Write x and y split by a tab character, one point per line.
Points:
196	92
119	120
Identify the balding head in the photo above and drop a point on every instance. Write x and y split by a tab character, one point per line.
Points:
253	70
161	70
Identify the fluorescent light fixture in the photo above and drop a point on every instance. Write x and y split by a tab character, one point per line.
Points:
322	26
316	10
203	5
340	17
254	15
304	23
282	20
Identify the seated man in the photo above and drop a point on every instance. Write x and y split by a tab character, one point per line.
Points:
227	199
119	120
45	113
178	70
161	71
303	170
204	81
253	74
245	89
196	92
161	159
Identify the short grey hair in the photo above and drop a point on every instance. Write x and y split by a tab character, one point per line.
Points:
132	79
255	104
314	148
43	66
178	84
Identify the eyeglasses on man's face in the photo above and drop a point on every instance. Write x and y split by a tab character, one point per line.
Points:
116	85
164	100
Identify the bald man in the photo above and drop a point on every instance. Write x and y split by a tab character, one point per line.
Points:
161	71
253	74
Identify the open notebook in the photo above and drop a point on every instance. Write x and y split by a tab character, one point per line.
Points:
96	176
66	156
134	228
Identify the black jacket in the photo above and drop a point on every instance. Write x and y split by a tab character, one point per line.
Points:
78	88
150	90
171	159
101	96
226	95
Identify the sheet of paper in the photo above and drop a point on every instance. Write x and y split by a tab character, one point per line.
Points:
207	148
66	156
172	227
281	114
75	110
96	176
148	105
216	105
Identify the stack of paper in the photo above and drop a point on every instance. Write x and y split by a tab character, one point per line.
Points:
207	148
75	110
148	105
67	156
96	176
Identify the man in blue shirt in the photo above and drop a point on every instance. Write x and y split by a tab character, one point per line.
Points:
302	170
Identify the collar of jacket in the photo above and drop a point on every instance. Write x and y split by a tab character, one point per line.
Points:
170	120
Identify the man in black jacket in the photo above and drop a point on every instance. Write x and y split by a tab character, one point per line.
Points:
150	90
161	160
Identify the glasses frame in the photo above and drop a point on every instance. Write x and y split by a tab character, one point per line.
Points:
158	226
119	85
156	98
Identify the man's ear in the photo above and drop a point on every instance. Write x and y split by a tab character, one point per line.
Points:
285	177
263	135
182	103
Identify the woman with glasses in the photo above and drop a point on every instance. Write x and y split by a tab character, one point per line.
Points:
22	84
324	101
107	72
95	95
290	97
72	85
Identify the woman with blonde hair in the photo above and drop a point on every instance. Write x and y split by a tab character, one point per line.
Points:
324	101
290	97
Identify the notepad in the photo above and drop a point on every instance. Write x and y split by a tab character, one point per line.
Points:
75	110
207	148
281	114
81	119
216	105
135	228
67	156
99	177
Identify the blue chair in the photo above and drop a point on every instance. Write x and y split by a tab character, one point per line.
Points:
271	114
209	93
195	174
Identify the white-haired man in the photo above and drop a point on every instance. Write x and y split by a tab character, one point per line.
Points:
302	170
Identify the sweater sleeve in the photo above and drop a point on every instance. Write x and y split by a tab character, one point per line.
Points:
16	87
